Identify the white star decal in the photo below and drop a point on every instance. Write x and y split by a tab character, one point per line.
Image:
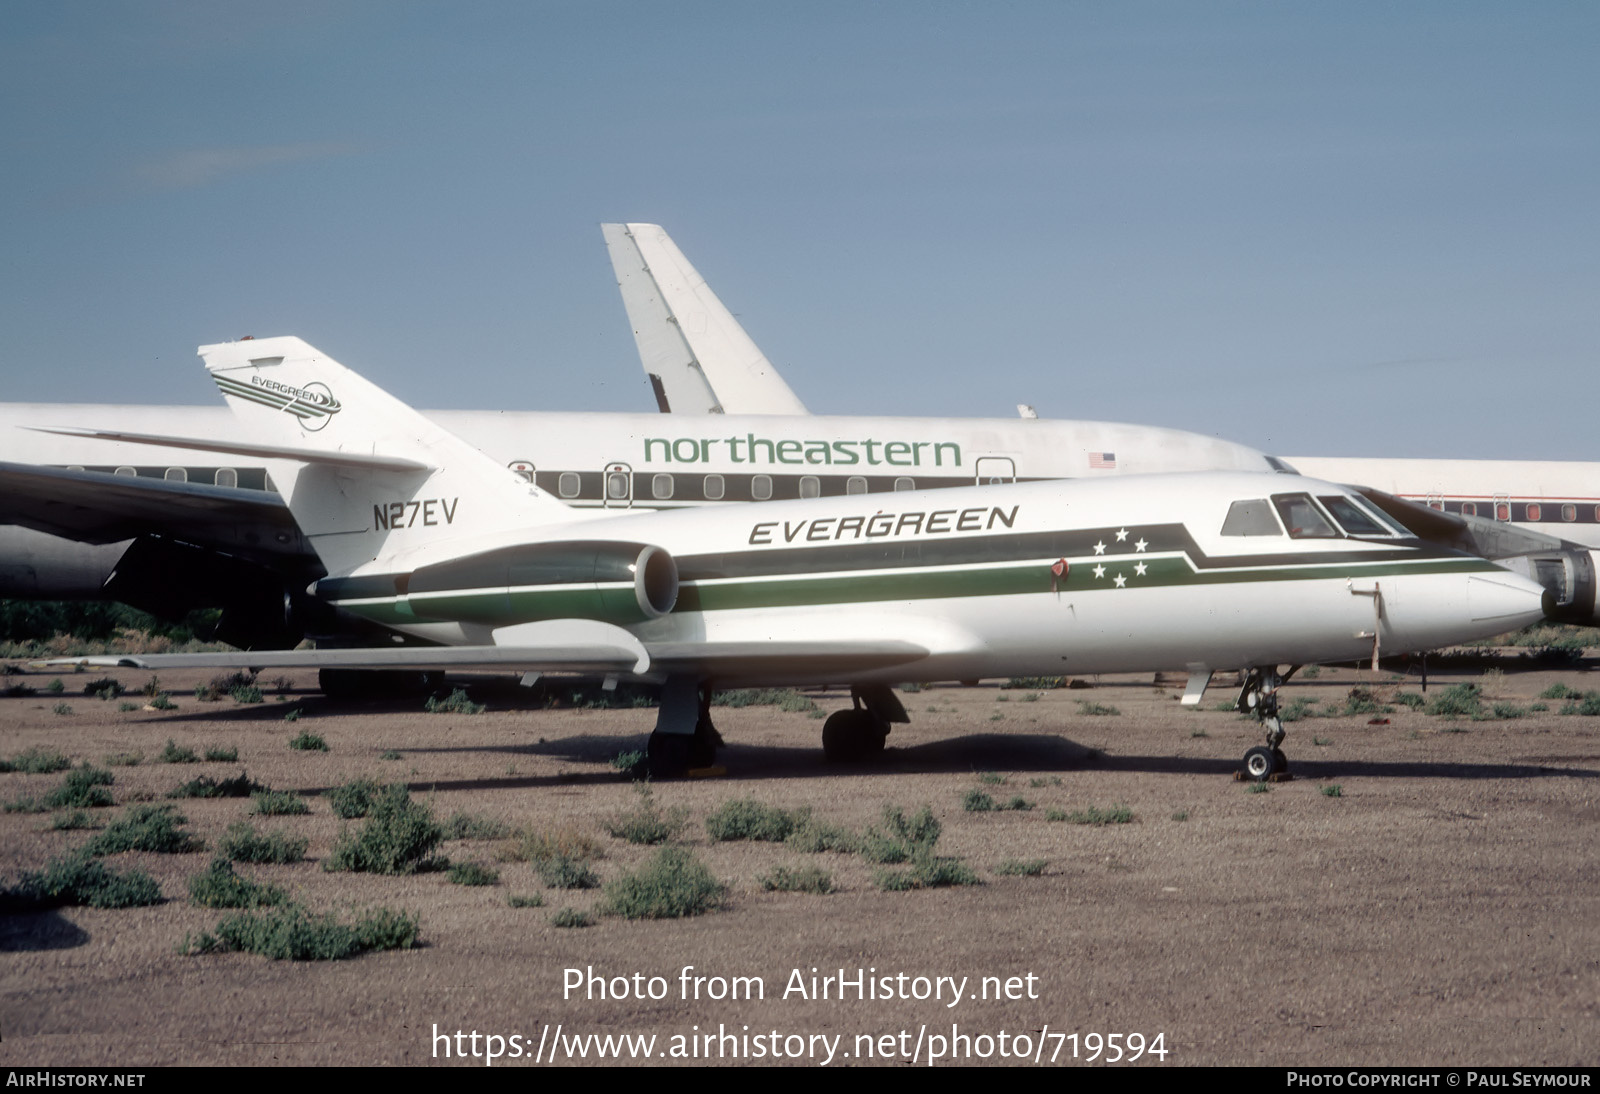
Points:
1099	571
1139	569
1121	581
1100	548
1141	545
1122	534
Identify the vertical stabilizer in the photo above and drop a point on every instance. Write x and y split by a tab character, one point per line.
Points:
352	509
699	359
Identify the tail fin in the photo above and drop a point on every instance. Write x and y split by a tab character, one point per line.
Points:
698	357
435	487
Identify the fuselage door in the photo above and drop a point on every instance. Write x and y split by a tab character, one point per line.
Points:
993	470
616	486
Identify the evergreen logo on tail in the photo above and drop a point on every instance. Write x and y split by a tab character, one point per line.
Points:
313	404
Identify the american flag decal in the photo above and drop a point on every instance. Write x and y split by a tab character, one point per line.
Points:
1102	460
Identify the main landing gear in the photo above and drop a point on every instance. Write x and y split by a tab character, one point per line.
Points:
684	739
858	734
1259	696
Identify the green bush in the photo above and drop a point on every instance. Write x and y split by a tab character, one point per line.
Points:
293	933
353	799
977	801
571	917
565	872
749	819
671	884
279	803
1016	867
1411	699
399	837
456	703
1095	709
155	828
797	879
646	823
813	836
472	873
525	900
926	872
220	887
84	788
1117	814
307	741
219	755
242	843
1459	701
246	694
37	761
80	881
240	786
103	688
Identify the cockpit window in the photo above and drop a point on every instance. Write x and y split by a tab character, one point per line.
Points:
1251	518
1281	466
1302	517
1357	518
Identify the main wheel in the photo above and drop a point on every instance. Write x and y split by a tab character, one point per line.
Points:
850	736
1259	763
669	755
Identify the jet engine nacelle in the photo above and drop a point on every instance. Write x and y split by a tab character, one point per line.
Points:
585	579
1569	575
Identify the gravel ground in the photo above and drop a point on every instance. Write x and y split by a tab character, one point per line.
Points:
1423	891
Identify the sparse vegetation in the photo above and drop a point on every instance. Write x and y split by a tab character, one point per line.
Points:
83	788
163	701
538	845
125	759
464	825
73	821
525	900
80	881
220	755
293	933
399	837
246	694
565	872
646	823
1411	699
1098	710
240	786
630	763
1333	790
220	887
796	879
671	884
390	754
242	843
571	917
1458	701
1016	867
62	709
353	799
157	828
36	761
749	819
977	801
1035	683
1094	815
307	741
279	803
455	703
103	688
472	873
1257	788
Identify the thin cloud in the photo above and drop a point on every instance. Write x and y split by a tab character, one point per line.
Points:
204	166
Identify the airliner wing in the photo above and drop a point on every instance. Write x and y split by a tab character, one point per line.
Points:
94	507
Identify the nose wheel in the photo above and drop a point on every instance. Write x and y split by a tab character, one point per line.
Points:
1259	697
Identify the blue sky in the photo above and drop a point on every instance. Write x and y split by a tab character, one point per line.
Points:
1329	229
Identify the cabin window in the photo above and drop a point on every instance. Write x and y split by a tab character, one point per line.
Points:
1352	518
1251	518
855	484
661	487
714	488
905	482
1469	508
1302	517
126	472
617	485
1534	512
761	487
1502	511
226	476
810	486
1569	513
569	484
176	474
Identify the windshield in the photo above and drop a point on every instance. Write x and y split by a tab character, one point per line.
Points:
1302	517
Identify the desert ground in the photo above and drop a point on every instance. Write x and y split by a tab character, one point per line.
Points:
1422	891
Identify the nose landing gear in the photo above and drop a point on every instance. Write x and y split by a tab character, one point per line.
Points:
1259	696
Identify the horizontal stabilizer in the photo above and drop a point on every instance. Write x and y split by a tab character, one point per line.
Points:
239	448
